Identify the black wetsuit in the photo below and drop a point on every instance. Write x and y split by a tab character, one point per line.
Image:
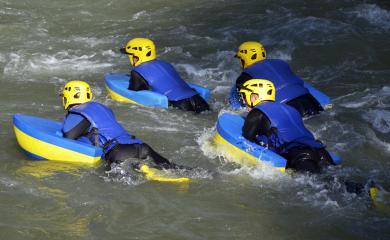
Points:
121	152
299	158
195	103
306	104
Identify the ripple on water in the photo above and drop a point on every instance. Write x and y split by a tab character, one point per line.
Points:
61	62
364	98
373	14
380	119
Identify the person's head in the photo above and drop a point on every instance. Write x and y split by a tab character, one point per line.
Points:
76	92
249	53
139	50
255	91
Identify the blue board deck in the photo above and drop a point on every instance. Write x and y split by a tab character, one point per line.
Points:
117	85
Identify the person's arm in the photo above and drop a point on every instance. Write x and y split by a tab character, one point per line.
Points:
75	126
137	82
242	79
256	123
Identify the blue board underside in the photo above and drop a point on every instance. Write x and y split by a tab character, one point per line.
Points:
47	131
229	126
321	97
119	83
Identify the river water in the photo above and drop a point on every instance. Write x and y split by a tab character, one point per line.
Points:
340	47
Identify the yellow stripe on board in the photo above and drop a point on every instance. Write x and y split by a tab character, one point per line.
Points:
154	175
236	154
52	152
120	98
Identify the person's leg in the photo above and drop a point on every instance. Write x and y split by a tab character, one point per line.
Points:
324	158
354	187
195	103
306	104
184	104
302	159
199	104
143	152
121	152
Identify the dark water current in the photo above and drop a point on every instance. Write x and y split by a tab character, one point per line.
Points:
340	47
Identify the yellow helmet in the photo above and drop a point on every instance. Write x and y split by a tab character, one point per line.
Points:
255	91
76	92
250	52
140	50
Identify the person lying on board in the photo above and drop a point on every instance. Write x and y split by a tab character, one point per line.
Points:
95	123
280	128
148	73
291	90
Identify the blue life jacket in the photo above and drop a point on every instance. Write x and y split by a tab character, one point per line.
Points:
288	128
164	79
109	131
288	86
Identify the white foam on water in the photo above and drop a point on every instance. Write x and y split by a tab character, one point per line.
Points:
8	182
206	143
61	62
260	172
342	140
375	104
162	129
380	119
195	74
86	13
139	15
110	53
283	51
382	145
194	71
356	100
324	191
375	15
12	12
184	33
221	89
177	50
279	54
124	173
90	41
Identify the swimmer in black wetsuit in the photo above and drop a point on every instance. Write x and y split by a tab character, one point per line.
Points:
280	128
95	123
160	76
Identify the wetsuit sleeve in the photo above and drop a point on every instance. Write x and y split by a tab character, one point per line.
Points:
75	126
241	79
137	82
256	123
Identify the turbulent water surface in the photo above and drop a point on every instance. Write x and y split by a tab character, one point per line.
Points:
340	47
